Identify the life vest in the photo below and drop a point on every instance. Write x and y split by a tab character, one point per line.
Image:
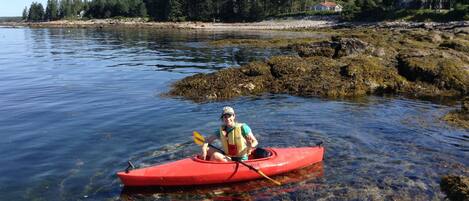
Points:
234	144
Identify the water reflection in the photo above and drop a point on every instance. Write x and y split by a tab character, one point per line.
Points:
302	179
161	50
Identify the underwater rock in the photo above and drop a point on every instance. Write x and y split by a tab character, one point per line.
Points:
465	105
455	187
459	117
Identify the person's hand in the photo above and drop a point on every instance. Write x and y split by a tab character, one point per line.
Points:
250	149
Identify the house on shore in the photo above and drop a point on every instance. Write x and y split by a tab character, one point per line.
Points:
327	5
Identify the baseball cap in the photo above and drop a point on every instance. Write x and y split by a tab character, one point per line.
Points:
227	110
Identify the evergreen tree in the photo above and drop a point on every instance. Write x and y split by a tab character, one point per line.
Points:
228	11
199	10
52	10
36	12
25	13
76	7
243	9
65	9
256	13
120	8
97	9
151	7
174	10
142	10
137	8
156	9
205	8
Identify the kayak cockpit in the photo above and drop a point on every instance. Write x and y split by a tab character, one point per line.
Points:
259	154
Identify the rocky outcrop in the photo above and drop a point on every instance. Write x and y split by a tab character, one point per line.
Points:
443	72
353	62
459	45
456	188
312	76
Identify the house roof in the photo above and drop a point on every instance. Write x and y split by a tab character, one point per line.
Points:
328	4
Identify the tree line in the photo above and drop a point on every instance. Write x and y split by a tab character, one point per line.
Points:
73	9
220	10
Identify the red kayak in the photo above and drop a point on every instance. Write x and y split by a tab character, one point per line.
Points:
194	171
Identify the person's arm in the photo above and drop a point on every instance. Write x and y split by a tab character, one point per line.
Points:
251	140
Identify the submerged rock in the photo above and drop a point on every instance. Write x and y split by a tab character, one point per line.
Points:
459	117
455	187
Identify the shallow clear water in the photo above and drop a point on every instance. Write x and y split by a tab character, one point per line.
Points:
76	104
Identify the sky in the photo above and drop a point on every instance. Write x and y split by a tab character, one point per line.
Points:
10	8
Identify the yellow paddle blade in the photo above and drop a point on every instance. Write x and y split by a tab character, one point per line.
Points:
198	138
265	176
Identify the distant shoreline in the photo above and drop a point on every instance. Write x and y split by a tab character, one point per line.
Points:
288	24
264	25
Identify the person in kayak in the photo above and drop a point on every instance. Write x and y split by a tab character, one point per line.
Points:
237	139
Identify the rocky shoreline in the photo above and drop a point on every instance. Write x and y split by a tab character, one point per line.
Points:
279	24
138	22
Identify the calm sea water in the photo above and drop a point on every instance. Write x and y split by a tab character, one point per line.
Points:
76	104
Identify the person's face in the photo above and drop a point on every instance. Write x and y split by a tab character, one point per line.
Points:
229	120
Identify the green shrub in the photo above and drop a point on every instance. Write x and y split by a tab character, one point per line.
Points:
461	12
